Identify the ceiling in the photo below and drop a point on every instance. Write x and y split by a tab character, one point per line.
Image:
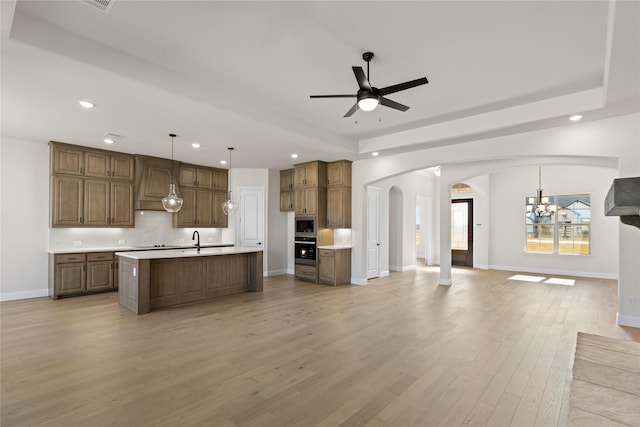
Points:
239	74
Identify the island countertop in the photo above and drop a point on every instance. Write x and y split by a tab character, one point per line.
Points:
187	252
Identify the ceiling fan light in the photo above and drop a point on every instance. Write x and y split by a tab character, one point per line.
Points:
368	102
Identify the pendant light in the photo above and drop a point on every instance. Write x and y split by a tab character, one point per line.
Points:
172	203
539	208
229	207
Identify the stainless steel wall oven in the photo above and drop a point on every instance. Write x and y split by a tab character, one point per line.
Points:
305	250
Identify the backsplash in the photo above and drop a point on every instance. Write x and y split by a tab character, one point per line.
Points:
152	227
342	237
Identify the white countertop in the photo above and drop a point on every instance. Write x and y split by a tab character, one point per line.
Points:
335	247
186	253
83	249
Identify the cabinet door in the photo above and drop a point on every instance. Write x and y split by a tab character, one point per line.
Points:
204	178
204	208
70	278
220	220
300	176
99	275
186	217
286	180
122	167
122	213
286	201
300	203
311	200
220	179
97	165
339	207
326	266
116	272
96	203
187	175
339	173
67	196
311	174
67	160
153	177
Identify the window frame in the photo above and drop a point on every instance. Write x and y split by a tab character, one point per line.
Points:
558	226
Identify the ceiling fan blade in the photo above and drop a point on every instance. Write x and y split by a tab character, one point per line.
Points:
352	110
403	86
333	96
361	78
392	104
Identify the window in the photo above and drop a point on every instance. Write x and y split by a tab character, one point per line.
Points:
563	228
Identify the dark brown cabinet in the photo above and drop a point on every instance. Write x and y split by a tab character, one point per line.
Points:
196	176
339	194
220	220
203	191
197	209
334	266
91	188
286	190
82	273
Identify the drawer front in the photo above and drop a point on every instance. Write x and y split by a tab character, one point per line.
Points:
70	258
100	256
305	271
326	253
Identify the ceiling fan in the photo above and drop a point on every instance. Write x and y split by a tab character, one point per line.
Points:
368	97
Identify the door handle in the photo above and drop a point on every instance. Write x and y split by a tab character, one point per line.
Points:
377	244
259	243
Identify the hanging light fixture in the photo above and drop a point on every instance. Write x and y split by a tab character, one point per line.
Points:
538	208
229	207
172	203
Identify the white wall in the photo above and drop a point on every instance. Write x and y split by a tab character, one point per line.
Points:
24	215
277	228
509	189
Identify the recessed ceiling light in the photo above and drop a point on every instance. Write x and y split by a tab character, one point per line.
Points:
223	162
375	154
294	156
110	138
575	117
87	104
195	145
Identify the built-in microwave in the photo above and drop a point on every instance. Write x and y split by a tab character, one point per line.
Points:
306	226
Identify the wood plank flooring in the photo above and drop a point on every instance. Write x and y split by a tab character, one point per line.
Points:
606	382
400	351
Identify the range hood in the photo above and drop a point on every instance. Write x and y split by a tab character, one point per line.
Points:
623	200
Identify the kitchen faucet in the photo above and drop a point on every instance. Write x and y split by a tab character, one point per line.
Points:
194	238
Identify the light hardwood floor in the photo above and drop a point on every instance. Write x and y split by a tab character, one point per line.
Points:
399	351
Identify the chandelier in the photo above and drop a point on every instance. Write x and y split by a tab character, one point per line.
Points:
173	202
539	208
229	207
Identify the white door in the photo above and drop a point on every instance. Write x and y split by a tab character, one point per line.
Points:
251	229
373	232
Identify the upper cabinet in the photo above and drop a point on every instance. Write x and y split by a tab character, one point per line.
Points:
91	188
310	173
339	173
203	190
286	190
339	194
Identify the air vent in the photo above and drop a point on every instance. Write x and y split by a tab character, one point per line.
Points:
102	5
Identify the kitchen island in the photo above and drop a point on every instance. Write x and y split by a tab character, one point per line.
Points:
153	279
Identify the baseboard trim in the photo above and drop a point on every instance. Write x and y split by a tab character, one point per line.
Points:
589	274
12	296
359	282
384	273
277	272
444	282
624	320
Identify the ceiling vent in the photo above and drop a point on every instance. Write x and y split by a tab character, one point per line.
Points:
102	5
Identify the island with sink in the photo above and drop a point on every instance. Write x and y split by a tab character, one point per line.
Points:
153	279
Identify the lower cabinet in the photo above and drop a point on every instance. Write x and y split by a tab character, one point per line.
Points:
81	273
306	272
334	266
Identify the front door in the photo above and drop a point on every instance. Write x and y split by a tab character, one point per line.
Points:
462	232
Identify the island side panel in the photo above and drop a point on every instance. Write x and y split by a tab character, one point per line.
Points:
133	285
255	272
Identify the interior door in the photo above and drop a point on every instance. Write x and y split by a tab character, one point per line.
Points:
251	228
373	232
462	232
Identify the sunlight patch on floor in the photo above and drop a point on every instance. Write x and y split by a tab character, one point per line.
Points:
556	281
525	278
